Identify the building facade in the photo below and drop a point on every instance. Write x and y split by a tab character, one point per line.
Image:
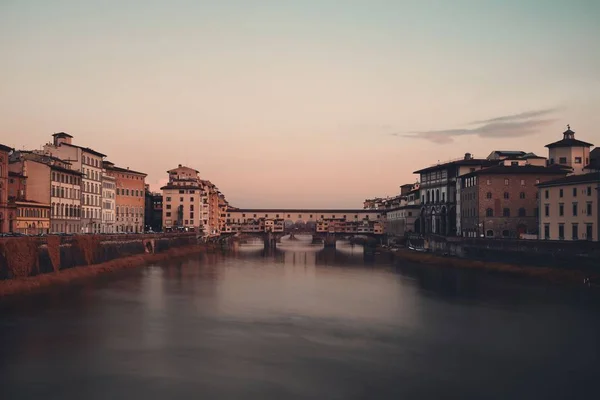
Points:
570	152
130	198
570	208
109	203
89	163
185	205
153	211
7	214
440	192
65	198
502	201
402	216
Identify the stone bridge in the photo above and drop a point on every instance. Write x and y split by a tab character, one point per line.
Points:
270	239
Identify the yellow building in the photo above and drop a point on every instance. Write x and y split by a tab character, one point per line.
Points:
570	208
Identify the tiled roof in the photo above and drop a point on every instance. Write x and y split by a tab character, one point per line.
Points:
86	149
569	143
592	177
471	161
523	169
113	167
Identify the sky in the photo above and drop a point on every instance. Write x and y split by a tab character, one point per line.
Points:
305	103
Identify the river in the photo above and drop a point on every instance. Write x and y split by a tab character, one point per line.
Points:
301	323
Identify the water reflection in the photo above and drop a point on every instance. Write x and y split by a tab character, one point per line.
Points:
301	322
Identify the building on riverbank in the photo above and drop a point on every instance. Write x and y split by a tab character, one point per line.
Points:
89	163
402	216
185	205
130	189
440	193
502	201
570	152
571	208
153	210
7	214
109	202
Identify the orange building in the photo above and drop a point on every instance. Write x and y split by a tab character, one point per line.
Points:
130	200
7	214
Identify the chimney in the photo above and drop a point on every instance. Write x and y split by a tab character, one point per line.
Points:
179	166
468	156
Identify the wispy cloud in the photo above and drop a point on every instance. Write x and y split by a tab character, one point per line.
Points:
516	117
516	125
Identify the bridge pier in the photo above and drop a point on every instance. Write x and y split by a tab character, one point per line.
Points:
270	241
330	240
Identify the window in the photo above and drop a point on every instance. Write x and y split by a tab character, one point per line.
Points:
589	231
547	210
561	209
560	193
589	190
522	212
506	212
181	199
506	181
574	209
522	195
168	214
577	160
168	206
536	212
546	231
522	182
575	232
562	160
489	233
168	199
488	195
489	212
552	161
192	216
181	191
574	192
546	194
589	208
191	207
561	231
186	222
506	195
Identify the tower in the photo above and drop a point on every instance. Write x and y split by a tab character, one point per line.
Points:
569	152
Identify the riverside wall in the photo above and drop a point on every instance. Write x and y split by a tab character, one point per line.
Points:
23	257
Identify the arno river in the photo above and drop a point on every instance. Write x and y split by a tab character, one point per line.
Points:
302	323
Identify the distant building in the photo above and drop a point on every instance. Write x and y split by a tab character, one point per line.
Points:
183	201
570	152
130	198
154	211
440	192
29	194
594	165
403	218
571	208
501	201
109	202
89	163
7	214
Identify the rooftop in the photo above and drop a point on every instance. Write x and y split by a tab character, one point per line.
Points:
5	148
113	167
458	162
62	134
592	177
522	169
569	140
86	149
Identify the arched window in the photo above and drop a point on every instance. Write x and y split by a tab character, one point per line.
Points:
522	195
488	195
506	212
505	233
428	196
506	195
522	212
437	195
489	233
489	212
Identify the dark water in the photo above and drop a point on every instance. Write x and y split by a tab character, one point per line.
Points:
302	324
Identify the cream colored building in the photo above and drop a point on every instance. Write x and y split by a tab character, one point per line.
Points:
108	203
570	152
184	204
570	208
89	163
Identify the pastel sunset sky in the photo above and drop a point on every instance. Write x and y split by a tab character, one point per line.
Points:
305	103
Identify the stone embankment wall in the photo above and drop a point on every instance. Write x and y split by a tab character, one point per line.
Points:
581	255
22	257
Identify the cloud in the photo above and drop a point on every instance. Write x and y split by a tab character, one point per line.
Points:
509	126
523	115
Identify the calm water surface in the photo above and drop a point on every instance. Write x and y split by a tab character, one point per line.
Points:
302	323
